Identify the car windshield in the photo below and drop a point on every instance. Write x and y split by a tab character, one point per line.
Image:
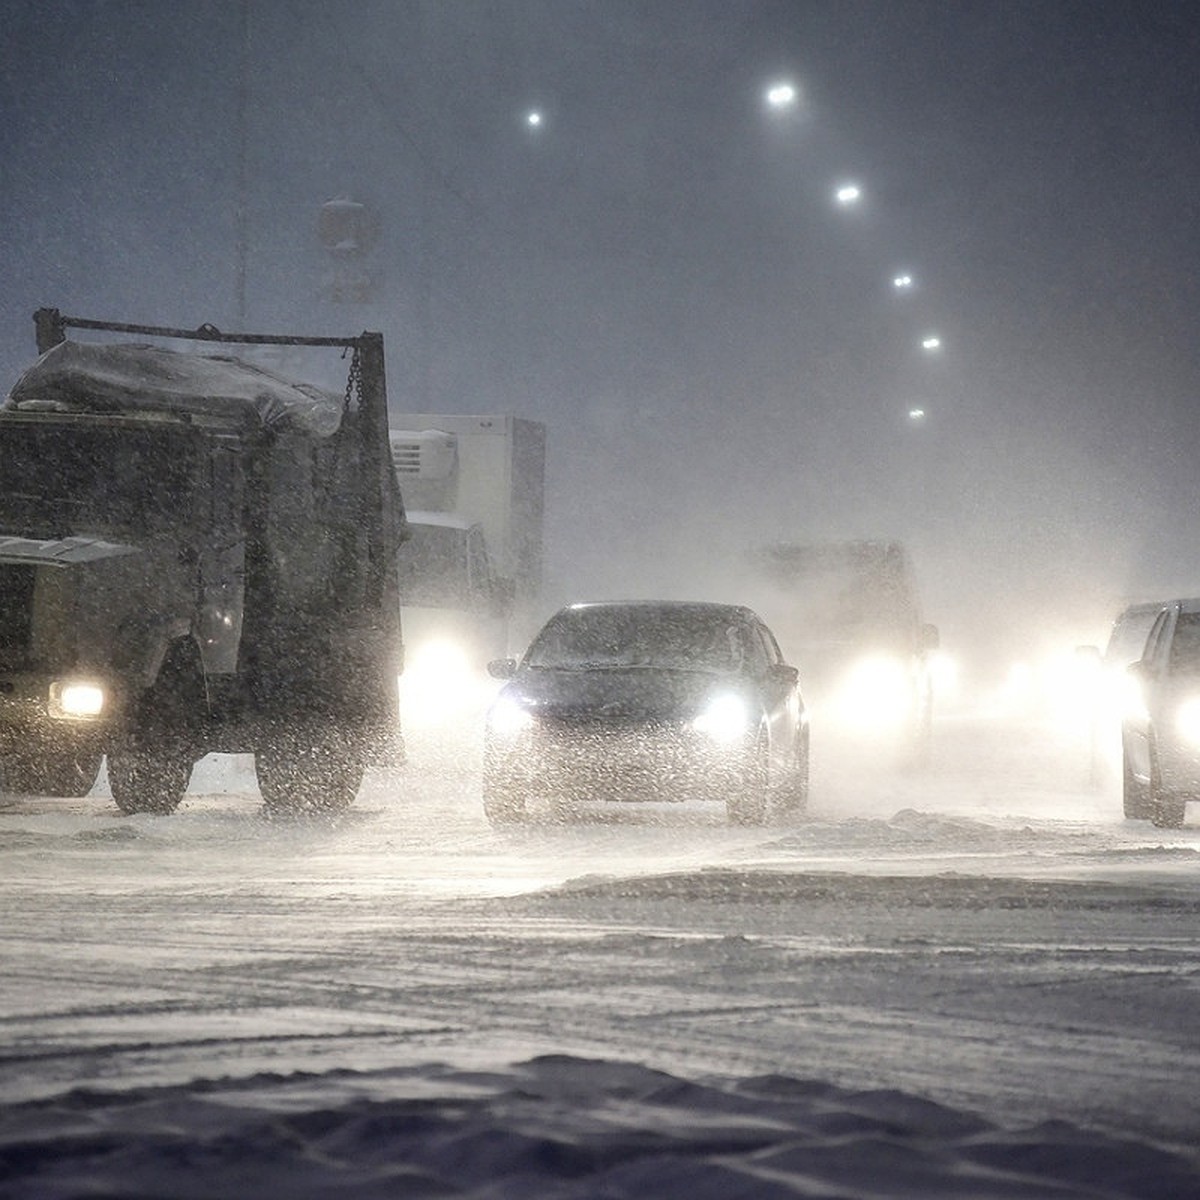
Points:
616	638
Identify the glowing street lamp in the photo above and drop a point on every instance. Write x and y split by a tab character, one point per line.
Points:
916	414
534	119
781	95
931	343
848	194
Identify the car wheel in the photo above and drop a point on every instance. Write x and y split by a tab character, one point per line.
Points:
56	773
1135	795
296	777
747	805
792	795
503	804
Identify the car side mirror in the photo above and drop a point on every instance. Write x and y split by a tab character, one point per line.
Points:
502	668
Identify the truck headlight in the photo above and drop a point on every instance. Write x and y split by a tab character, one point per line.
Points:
76	698
508	717
724	718
878	691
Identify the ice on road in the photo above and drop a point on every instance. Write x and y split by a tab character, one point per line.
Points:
979	975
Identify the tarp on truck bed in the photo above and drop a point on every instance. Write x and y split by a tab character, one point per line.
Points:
134	379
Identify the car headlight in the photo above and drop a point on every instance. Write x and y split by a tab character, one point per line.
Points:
724	718
877	691
76	698
1187	720
509	717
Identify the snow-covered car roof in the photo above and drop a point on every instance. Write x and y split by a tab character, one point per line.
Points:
131	380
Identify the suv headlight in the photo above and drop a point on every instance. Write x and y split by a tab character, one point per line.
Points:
724	718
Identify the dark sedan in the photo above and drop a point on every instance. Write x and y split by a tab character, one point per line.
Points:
648	700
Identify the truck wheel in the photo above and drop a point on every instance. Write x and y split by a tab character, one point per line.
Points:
149	770
57	773
148	780
297	778
748	804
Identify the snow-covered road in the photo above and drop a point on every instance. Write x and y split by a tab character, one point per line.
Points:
989	935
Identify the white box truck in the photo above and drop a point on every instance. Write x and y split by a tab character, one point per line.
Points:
471	571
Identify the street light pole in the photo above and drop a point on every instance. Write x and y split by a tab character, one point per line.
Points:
241	215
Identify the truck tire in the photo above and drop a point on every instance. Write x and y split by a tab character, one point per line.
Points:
148	779
299	775
149	770
54	773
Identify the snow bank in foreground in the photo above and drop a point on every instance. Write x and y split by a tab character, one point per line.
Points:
554	1127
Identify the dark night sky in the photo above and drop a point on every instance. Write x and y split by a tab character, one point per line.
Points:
659	273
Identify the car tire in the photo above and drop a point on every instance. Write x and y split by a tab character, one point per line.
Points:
747	805
1135	796
503	804
57	773
791	798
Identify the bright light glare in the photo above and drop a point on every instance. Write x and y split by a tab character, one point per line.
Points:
438	680
725	719
533	119
944	674
781	95
848	193
1187	720
902	283
916	414
507	717
875	694
931	343
81	700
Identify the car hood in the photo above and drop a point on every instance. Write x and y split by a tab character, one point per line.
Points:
618	694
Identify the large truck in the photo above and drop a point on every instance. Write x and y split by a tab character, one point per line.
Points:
471	572
197	555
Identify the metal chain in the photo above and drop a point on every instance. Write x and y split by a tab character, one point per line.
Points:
353	384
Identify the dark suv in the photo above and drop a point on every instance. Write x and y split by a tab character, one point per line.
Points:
1160	727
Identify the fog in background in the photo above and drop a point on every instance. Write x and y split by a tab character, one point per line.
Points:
659	271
